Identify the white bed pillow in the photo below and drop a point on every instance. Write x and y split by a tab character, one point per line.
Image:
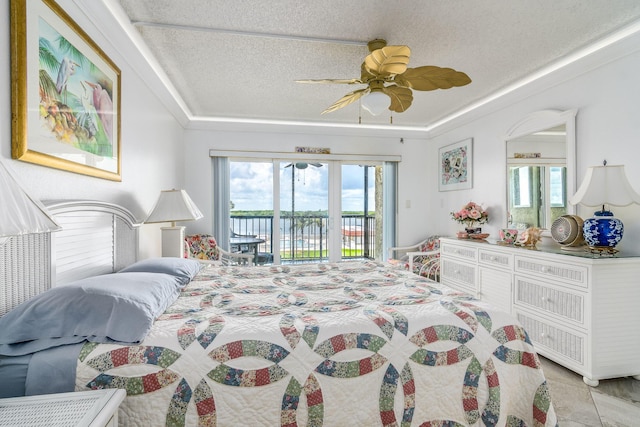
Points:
117	307
183	268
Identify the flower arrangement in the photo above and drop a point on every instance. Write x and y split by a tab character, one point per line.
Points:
470	214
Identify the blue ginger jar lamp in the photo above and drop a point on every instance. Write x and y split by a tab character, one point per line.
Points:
604	185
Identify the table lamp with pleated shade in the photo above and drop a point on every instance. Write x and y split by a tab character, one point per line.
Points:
604	185
172	206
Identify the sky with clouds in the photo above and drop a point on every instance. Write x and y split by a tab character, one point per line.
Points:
252	187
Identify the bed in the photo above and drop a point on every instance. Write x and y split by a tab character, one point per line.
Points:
336	344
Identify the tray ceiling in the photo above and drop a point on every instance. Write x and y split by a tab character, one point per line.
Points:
240	59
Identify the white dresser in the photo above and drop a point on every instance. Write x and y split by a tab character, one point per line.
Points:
580	310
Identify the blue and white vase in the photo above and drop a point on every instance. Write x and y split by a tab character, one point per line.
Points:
603	230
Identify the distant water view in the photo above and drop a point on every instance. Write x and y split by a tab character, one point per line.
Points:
308	236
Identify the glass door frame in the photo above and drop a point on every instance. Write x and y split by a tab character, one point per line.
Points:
334	163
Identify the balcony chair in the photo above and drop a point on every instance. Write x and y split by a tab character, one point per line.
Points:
204	248
422	258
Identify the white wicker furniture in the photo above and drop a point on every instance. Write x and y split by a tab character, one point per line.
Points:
423	258
205	249
96	238
579	311
97	408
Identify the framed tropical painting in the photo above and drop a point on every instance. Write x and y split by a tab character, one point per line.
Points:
456	166
65	94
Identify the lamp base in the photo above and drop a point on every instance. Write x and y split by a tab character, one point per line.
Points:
603	230
603	250
172	242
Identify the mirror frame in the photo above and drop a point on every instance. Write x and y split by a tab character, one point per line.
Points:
539	121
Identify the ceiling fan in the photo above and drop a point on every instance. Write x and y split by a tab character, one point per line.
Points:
386	75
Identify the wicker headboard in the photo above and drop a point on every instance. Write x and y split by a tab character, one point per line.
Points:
96	238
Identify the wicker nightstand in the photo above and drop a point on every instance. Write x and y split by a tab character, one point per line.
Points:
97	408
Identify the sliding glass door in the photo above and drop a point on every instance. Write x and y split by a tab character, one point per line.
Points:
251	204
360	217
304	211
309	211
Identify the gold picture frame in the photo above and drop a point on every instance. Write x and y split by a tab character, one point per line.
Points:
65	94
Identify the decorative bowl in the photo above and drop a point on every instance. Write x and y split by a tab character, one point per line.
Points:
508	235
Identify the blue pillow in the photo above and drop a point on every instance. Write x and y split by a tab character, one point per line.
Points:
110	308
183	268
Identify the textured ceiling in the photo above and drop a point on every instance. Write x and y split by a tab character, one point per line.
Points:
240	58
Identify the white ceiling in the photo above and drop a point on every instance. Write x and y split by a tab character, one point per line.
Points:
240	58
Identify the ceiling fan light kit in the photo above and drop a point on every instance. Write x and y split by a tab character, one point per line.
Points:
388	79
375	102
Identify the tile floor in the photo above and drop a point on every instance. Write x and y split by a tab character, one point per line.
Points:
614	403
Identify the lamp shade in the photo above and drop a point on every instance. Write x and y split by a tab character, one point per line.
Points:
172	206
605	185
19	212
376	102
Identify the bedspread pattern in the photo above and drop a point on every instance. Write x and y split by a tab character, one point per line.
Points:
352	343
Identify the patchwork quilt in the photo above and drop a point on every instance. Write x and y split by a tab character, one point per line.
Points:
338	344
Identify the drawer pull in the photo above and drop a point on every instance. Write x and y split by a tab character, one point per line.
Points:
544	269
456	271
492	258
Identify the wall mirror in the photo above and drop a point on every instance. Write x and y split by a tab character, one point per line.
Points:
541	157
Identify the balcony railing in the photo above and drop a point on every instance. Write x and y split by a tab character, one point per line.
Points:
305	237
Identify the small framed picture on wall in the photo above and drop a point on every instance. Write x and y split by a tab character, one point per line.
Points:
456	166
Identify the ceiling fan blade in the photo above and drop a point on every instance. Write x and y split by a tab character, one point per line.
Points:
431	77
331	81
389	60
347	99
365	75
401	97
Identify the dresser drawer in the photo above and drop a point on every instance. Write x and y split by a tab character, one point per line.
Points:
458	274
494	286
550	339
458	251
546	298
567	273
495	259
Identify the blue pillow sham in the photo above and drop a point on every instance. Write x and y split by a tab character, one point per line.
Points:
183	268
117	307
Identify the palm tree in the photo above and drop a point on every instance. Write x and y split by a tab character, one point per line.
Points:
301	223
318	221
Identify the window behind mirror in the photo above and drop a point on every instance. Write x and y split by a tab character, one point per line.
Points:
537	195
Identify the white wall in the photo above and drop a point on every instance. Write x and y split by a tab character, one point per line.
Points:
152	157
607	98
